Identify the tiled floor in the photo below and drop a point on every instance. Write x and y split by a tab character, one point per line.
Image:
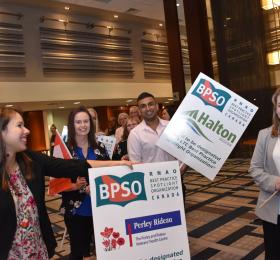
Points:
220	215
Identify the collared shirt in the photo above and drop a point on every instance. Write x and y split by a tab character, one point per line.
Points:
141	144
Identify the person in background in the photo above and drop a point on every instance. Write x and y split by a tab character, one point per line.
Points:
120	152
265	170
52	139
168	112
134	112
26	231
112	126
122	119
95	120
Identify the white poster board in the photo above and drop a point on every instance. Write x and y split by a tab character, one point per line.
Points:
206	126
109	142
139	214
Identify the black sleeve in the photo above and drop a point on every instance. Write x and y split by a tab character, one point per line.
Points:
60	168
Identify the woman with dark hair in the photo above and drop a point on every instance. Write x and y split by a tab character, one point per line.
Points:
265	169
76	202
26	231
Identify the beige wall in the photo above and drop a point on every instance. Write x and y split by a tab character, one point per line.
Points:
36	87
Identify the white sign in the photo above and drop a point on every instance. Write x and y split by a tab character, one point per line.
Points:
139	213
206	126
109	142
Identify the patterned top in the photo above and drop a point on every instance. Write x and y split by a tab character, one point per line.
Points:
28	242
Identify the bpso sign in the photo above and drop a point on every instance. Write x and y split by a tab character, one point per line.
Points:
206	126
139	213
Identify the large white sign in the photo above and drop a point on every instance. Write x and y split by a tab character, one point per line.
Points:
139	214
206	126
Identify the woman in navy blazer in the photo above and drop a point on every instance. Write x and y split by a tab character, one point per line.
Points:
23	216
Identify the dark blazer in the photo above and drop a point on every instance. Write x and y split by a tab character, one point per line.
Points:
42	165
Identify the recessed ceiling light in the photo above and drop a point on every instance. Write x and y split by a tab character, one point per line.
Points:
62	20
77	103
109	27
9	105
61	107
67	8
129	100
170	99
178	4
116	16
166	102
160	24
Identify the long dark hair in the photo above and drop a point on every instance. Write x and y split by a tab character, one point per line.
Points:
22	159
275	118
71	129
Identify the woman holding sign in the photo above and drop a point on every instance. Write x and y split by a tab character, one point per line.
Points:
265	169
25	229
76	203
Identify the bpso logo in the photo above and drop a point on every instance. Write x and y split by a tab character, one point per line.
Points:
112	189
210	95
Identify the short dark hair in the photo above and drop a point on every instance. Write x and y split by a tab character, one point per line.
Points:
144	95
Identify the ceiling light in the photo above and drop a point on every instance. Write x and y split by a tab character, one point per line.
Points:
62	20
160	24
166	102
170	99
116	16
109	27
77	103
67	8
129	100
9	105
178	4
269	4
61	107
273	58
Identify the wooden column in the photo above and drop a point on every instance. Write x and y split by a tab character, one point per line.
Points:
174	48
198	38
34	121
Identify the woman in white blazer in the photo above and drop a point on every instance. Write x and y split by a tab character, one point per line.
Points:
265	169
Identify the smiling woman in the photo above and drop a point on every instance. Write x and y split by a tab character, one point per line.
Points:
26	231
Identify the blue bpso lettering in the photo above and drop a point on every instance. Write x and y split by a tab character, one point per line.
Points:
210	95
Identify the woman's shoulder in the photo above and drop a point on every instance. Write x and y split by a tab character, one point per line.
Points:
265	131
34	155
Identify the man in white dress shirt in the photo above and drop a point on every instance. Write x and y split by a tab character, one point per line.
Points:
141	144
